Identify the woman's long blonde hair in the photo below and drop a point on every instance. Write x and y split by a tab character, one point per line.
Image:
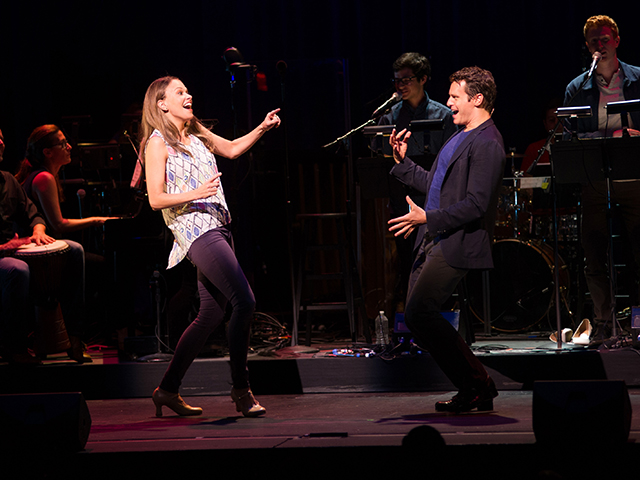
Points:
154	119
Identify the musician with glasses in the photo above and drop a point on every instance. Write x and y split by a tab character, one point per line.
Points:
47	152
411	72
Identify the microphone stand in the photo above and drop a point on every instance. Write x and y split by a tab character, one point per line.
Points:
556	253
350	133
606	165
372	121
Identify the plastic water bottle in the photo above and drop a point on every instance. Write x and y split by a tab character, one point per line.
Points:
382	329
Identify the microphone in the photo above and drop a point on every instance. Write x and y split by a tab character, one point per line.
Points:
281	66
395	98
81	194
597	56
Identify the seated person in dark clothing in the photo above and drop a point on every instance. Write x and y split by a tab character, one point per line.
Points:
549	121
20	224
16	208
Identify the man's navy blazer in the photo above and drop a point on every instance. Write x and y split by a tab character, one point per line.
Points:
468	197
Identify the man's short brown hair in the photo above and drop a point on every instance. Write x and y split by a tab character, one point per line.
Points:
600	21
477	80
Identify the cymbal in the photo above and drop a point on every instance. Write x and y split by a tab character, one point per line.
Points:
515	155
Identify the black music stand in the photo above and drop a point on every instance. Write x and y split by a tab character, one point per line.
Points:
374	171
581	161
623	108
414	126
599	160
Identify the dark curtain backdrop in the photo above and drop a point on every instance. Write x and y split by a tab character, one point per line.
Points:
97	57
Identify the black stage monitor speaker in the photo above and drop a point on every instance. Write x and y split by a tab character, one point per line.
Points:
583	412
53	421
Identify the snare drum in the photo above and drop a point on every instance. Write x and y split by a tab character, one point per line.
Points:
46	263
512	217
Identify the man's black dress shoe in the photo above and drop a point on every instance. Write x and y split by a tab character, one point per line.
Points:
479	399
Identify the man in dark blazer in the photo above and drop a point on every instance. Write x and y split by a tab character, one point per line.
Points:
455	229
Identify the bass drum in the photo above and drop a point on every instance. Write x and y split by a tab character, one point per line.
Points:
521	285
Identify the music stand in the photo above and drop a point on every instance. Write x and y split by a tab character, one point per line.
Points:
581	161
599	160
373	171
623	108
414	126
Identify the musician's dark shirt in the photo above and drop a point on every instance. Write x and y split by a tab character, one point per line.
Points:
18	214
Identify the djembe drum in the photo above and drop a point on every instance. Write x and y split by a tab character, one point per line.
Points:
46	264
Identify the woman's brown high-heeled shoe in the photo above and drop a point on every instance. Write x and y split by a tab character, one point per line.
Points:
246	403
174	401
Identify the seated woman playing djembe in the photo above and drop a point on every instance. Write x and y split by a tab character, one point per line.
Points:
47	151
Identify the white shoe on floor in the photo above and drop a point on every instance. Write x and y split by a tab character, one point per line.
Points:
583	332
567	334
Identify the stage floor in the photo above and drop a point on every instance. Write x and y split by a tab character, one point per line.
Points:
319	436
330	415
313	420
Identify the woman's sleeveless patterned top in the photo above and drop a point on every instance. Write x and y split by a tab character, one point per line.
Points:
190	220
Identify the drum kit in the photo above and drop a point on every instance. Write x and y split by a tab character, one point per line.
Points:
521	284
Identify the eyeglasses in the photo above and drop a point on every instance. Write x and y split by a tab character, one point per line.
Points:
64	144
403	81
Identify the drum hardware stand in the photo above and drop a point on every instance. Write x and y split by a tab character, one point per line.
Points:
486	282
486	302
159	356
